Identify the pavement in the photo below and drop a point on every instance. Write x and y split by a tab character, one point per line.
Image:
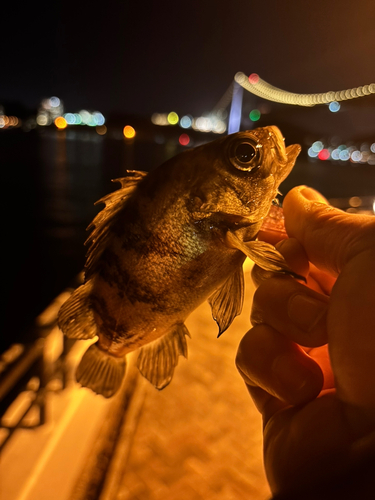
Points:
200	438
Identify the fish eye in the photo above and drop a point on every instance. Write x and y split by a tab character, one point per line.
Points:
245	156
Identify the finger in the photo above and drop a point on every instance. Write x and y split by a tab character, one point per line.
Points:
267	360
294	310
329	236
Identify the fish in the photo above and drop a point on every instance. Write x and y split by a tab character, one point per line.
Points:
165	242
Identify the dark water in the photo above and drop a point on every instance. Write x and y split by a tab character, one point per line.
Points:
50	181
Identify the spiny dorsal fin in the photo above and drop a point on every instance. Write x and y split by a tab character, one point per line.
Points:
158	359
75	318
226	303
100	372
100	227
263	254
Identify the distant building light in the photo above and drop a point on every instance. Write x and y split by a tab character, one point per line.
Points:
324	154
98	118
186	121
317	146
254	115
312	153
54	102
334	106
60	122
129	132
101	129
356	156
173	118
344	155
70	118
42	120
184	139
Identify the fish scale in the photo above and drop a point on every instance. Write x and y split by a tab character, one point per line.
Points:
166	242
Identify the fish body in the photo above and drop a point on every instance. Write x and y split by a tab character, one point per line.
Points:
166	242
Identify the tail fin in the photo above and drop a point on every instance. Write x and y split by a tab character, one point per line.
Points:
76	318
101	372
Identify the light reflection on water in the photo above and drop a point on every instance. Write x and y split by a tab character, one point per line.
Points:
52	180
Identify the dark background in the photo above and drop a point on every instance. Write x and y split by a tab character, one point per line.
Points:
131	59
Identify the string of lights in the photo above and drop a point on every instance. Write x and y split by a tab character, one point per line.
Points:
261	88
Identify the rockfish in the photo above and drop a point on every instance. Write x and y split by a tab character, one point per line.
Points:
165	242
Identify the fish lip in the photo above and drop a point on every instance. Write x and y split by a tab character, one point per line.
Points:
291	152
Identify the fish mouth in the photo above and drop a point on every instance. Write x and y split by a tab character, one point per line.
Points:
286	155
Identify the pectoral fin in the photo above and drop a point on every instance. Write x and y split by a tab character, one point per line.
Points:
158	359
263	254
226	303
75	318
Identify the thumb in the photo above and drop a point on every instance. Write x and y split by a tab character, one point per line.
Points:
344	244
330	236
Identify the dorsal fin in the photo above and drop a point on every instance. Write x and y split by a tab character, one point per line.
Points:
158	359
100	227
226	303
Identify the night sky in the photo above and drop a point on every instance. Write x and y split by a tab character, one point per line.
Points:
144	57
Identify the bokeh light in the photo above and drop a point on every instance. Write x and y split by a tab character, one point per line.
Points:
101	129
129	132
254	78
334	106
186	121
254	115
173	118
184	139
60	122
324	154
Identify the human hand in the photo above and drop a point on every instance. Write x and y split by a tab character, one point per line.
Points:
309	360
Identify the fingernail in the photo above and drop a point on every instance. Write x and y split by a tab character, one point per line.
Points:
306	311
312	195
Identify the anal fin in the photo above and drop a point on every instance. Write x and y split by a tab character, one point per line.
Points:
76	318
226	303
101	372
158	359
263	254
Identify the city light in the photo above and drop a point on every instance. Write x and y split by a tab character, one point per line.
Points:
184	139
363	154
254	115
129	132
60	122
173	118
213	122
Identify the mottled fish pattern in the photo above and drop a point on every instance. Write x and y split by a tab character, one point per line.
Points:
166	242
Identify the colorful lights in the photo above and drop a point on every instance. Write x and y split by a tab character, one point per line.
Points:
129	132
60	123
254	78
334	106
8	121
184	139
254	115
186	121
259	87
208	123
324	154
172	118
343	153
